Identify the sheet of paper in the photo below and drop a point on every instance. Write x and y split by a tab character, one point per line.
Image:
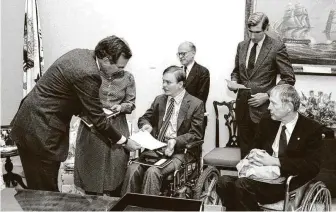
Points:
147	141
161	161
235	85
109	113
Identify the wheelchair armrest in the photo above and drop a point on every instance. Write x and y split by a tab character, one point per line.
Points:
288	181
294	197
194	143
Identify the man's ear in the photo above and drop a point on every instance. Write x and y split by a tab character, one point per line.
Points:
290	106
181	84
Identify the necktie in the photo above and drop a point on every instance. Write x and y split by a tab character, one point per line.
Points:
282	141
165	124
185	70
252	57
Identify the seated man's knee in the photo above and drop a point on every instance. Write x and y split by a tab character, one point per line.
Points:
153	171
242	183
224	181
134	167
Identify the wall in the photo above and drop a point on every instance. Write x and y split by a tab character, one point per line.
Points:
153	29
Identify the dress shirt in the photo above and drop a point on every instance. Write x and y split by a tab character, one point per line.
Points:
289	130
189	67
260	43
172	127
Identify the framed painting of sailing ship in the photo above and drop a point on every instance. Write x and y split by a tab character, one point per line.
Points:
308	29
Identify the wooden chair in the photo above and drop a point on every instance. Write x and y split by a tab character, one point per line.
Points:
225	158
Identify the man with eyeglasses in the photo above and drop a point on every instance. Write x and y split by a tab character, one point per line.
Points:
198	77
258	61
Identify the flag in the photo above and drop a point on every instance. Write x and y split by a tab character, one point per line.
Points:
32	47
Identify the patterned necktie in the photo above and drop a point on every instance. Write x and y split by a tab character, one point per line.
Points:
282	141
252	58
165	124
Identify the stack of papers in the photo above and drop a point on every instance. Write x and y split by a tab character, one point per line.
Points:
147	141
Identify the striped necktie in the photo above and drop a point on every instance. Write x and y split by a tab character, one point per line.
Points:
165	123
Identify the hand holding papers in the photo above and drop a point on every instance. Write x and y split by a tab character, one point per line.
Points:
233	86
146	140
110	113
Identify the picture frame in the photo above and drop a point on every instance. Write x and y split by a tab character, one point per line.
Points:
308	29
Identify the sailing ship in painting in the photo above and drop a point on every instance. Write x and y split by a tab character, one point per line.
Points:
295	30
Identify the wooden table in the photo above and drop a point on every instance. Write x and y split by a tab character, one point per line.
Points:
32	200
10	177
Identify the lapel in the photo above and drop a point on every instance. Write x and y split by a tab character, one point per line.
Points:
266	47
162	110
192	74
244	49
295	137
183	110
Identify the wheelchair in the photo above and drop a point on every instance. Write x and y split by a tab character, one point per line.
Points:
181	182
313	196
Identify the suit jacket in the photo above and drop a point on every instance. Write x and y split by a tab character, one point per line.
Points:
189	120
272	60
302	156
198	82
70	86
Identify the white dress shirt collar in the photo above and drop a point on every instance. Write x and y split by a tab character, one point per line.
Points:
189	67
260	43
289	130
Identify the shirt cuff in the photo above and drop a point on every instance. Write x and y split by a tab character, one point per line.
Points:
122	140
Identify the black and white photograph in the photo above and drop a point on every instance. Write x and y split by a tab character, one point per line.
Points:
179	105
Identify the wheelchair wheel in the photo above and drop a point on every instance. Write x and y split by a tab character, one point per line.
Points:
318	198
205	188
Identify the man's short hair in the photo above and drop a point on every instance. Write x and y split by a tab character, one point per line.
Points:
112	47
178	72
287	94
256	18
192	46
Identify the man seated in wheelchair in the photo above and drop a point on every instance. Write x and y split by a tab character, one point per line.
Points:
175	117
286	143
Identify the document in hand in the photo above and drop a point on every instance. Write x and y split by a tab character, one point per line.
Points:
110	113
147	141
235	85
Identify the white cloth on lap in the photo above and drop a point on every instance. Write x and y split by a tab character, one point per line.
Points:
267	174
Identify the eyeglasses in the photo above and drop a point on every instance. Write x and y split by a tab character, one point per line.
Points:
181	54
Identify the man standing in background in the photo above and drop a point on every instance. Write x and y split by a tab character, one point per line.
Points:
198	77
69	87
258	61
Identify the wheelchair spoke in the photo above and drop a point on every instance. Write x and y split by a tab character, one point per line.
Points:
205	187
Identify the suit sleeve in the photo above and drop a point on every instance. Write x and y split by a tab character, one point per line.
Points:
284	67
148	117
235	76
87	89
307	164
196	129
204	85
